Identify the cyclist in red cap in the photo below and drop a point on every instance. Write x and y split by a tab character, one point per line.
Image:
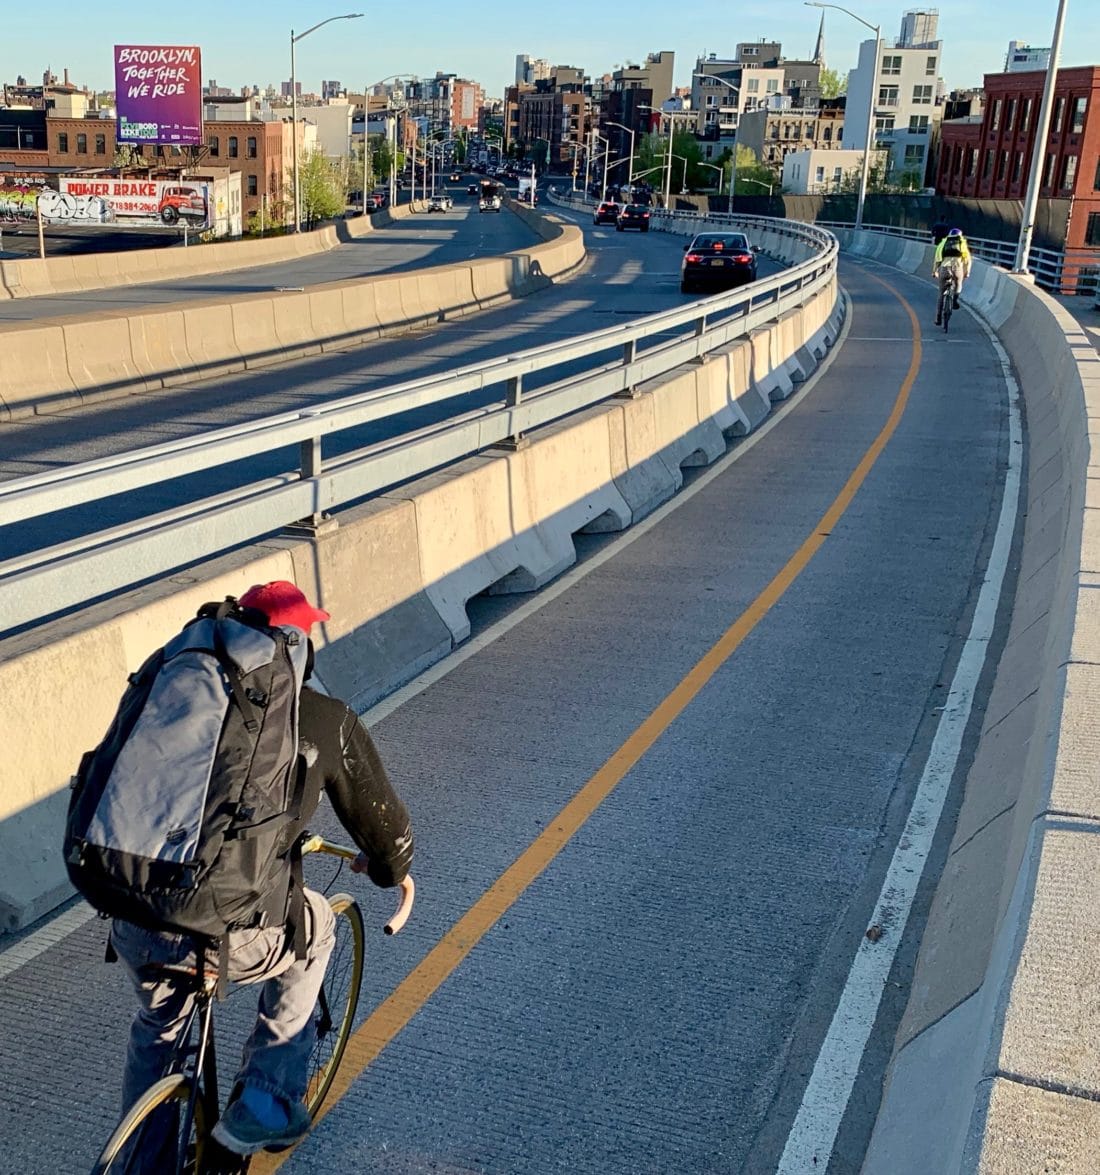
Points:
266	1107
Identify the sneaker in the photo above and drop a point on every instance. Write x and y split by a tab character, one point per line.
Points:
241	1132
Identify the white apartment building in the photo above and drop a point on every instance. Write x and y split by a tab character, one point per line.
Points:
819	172
905	82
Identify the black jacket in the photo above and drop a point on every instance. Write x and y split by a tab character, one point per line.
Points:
341	758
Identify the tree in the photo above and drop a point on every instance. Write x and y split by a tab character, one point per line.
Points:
750	173
832	84
126	155
323	184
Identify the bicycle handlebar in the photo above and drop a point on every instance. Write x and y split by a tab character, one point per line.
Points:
318	844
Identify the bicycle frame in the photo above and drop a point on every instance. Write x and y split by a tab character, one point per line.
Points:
205	1065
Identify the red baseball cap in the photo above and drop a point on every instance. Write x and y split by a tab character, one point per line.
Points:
283	603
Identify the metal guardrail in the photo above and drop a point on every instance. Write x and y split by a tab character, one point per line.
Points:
52	580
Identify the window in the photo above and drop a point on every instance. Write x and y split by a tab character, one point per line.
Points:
773	85
1017	167
63	143
753	86
891	65
251	148
995	117
101	144
1059	115
253	187
887	96
918	124
82	144
922	95
930	67
1069	173
1025	114
884	124
232	146
972	163
748	50
828	134
820	175
987	165
914	154
1079	107
711	101
213	146
1096	181
1092	229
1048	171
837	174
1002	165
1010	114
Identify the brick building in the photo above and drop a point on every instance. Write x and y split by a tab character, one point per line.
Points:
990	156
261	151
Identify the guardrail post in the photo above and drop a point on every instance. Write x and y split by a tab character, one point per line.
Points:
311	462
630	350
513	395
700	331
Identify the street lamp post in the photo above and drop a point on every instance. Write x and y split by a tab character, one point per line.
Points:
366	134
630	169
866	170
737	126
748	180
294	106
1034	180
721	173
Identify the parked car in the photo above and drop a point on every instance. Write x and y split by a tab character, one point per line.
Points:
717	261
181	203
378	199
606	213
440	203
633	216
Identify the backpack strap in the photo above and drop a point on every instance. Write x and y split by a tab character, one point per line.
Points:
247	707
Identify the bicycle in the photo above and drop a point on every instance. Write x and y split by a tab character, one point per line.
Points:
189	1089
948	293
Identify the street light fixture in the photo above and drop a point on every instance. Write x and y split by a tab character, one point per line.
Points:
721	173
748	180
737	126
865	172
294	106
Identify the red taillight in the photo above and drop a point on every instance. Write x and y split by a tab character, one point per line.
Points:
645	215
743	257
694	257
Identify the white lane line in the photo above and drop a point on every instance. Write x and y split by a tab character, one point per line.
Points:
564	582
813	1135
57	927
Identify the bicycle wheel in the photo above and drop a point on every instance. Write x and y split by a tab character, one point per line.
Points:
948	302
338	1000
126	1152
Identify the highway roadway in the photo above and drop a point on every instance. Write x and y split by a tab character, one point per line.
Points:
654	803
426	238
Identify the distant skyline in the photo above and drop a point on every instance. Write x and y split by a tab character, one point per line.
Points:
241	47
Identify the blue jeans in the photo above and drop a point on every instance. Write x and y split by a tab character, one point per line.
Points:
275	1057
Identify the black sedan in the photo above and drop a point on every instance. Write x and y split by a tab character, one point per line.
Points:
717	260
633	216
606	212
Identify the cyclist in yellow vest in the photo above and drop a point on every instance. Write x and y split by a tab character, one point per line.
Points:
952	258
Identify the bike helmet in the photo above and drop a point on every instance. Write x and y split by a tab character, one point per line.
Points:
955	232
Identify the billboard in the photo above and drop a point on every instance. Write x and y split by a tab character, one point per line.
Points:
158	94
129	203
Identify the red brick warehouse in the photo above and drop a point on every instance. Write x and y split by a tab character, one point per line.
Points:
992	159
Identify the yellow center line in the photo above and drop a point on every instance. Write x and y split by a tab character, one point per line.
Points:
391	1016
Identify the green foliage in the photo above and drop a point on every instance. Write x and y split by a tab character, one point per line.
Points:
323	184
832	84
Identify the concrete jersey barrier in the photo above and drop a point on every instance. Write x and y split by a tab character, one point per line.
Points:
995	1066
396	573
66	362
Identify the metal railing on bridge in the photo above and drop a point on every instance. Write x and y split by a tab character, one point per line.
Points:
39	583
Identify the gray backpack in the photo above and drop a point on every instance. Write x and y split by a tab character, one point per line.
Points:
186	816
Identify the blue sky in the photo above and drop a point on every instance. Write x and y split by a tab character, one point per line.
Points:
244	44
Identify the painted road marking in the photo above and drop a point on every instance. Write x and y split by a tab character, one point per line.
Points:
813	1135
417	987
